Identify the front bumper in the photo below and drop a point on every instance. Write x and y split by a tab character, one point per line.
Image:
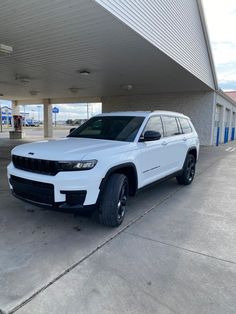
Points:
42	194
64	190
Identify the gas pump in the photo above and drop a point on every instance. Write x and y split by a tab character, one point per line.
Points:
18	121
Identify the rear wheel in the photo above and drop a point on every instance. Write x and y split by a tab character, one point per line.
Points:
113	203
188	173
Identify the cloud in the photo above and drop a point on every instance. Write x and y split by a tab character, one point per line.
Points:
78	111
221	21
5	103
220	17
224	52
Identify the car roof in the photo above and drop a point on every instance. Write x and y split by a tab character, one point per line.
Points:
127	113
144	113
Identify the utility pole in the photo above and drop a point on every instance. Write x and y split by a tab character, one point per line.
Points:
38	113
7	115
0	119
87	111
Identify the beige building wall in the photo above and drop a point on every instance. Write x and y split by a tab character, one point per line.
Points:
199	106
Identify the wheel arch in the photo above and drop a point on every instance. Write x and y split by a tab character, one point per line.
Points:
193	151
128	169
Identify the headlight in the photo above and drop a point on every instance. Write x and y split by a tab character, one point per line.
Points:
76	165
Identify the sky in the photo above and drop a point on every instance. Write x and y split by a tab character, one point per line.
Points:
66	111
221	23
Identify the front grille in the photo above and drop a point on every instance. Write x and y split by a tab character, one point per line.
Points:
33	190
48	167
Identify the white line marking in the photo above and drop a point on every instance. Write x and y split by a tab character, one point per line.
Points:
227	149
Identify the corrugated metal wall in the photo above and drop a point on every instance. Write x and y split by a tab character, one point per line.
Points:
173	26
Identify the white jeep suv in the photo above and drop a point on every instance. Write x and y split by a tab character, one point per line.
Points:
105	160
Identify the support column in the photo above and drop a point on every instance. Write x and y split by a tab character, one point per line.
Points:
222	124
17	132
15	108
47	111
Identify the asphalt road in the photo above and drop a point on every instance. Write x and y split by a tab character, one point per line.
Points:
175	252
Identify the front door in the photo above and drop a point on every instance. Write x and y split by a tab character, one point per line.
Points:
151	157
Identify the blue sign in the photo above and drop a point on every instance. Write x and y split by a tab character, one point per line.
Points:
55	110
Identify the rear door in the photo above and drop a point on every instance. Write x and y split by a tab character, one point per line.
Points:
189	134
176	148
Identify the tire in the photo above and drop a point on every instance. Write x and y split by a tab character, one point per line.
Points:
113	203
188	173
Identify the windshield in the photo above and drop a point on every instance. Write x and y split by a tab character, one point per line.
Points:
115	128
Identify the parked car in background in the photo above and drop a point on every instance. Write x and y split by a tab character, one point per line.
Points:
30	122
104	161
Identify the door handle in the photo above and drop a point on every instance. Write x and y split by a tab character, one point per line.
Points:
164	143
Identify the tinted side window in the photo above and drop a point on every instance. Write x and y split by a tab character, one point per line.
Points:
186	127
170	126
154	124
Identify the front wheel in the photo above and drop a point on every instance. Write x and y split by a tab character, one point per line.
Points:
188	173
113	203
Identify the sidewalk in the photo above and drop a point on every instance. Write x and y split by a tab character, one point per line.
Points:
37	132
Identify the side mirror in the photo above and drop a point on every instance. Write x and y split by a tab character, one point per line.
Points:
72	130
151	136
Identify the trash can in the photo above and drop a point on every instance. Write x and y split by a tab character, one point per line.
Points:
18	121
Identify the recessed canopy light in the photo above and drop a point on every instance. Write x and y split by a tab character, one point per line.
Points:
6	49
74	90
84	72
23	79
33	92
127	87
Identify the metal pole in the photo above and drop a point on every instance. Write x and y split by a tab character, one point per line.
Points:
7	115
87	111
1	119
24	121
38	113
55	119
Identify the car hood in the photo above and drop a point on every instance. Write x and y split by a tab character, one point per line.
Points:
66	148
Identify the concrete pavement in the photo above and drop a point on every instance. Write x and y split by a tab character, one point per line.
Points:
174	253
